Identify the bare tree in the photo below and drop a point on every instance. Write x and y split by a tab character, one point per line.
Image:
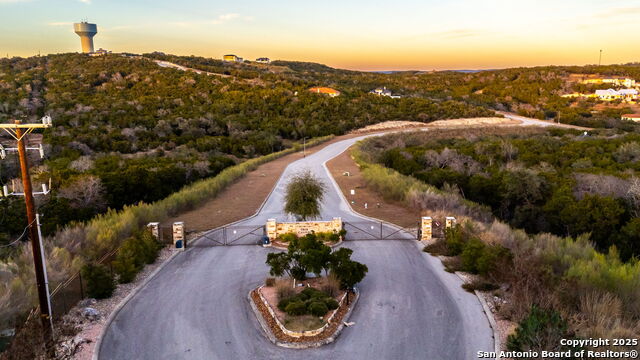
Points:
628	152
86	192
633	196
603	185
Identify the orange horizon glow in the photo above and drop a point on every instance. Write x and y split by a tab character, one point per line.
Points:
407	35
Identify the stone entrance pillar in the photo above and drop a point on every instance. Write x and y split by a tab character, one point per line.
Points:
272	230
154	227
427	231
450	222
178	235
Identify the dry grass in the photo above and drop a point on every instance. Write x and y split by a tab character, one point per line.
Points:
452	264
439	247
332	286
303	323
284	288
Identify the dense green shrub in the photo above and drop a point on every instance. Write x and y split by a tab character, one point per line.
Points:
288	237
317	308
308	301
98	280
479	258
296	308
471	252
541	330
332	304
135	252
125	266
455	240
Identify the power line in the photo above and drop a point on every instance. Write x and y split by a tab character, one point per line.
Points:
18	239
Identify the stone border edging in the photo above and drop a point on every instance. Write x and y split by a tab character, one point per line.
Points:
120	306
297	334
305	345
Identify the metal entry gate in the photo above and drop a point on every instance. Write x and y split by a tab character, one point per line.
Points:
236	235
372	230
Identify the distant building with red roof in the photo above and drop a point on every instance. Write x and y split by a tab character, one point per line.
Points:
631	117
325	90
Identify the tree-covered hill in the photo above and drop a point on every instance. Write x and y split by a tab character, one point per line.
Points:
555	181
127	130
535	92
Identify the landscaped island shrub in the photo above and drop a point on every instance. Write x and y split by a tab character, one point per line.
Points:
310	301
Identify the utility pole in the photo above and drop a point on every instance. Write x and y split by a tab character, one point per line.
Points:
600	59
304	147
19	131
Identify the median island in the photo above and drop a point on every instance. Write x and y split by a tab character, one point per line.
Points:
311	293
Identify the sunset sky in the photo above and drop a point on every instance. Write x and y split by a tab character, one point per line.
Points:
353	34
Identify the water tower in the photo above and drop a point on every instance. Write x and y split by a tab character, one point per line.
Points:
86	32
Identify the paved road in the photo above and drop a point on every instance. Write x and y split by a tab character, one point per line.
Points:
527	121
196	307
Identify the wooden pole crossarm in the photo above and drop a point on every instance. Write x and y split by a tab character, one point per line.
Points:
14	132
24	126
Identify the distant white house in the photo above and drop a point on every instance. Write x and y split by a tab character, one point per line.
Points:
383	91
100	52
629	94
263	60
612	94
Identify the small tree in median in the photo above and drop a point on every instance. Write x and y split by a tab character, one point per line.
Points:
304	194
348	271
308	254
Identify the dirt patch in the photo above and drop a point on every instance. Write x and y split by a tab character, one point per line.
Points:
391	211
401	125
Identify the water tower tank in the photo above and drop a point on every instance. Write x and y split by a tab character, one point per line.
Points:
86	32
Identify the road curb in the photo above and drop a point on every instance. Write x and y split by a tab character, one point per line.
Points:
304	345
492	321
120	306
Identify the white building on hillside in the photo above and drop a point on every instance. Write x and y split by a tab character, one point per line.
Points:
383	91
611	94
